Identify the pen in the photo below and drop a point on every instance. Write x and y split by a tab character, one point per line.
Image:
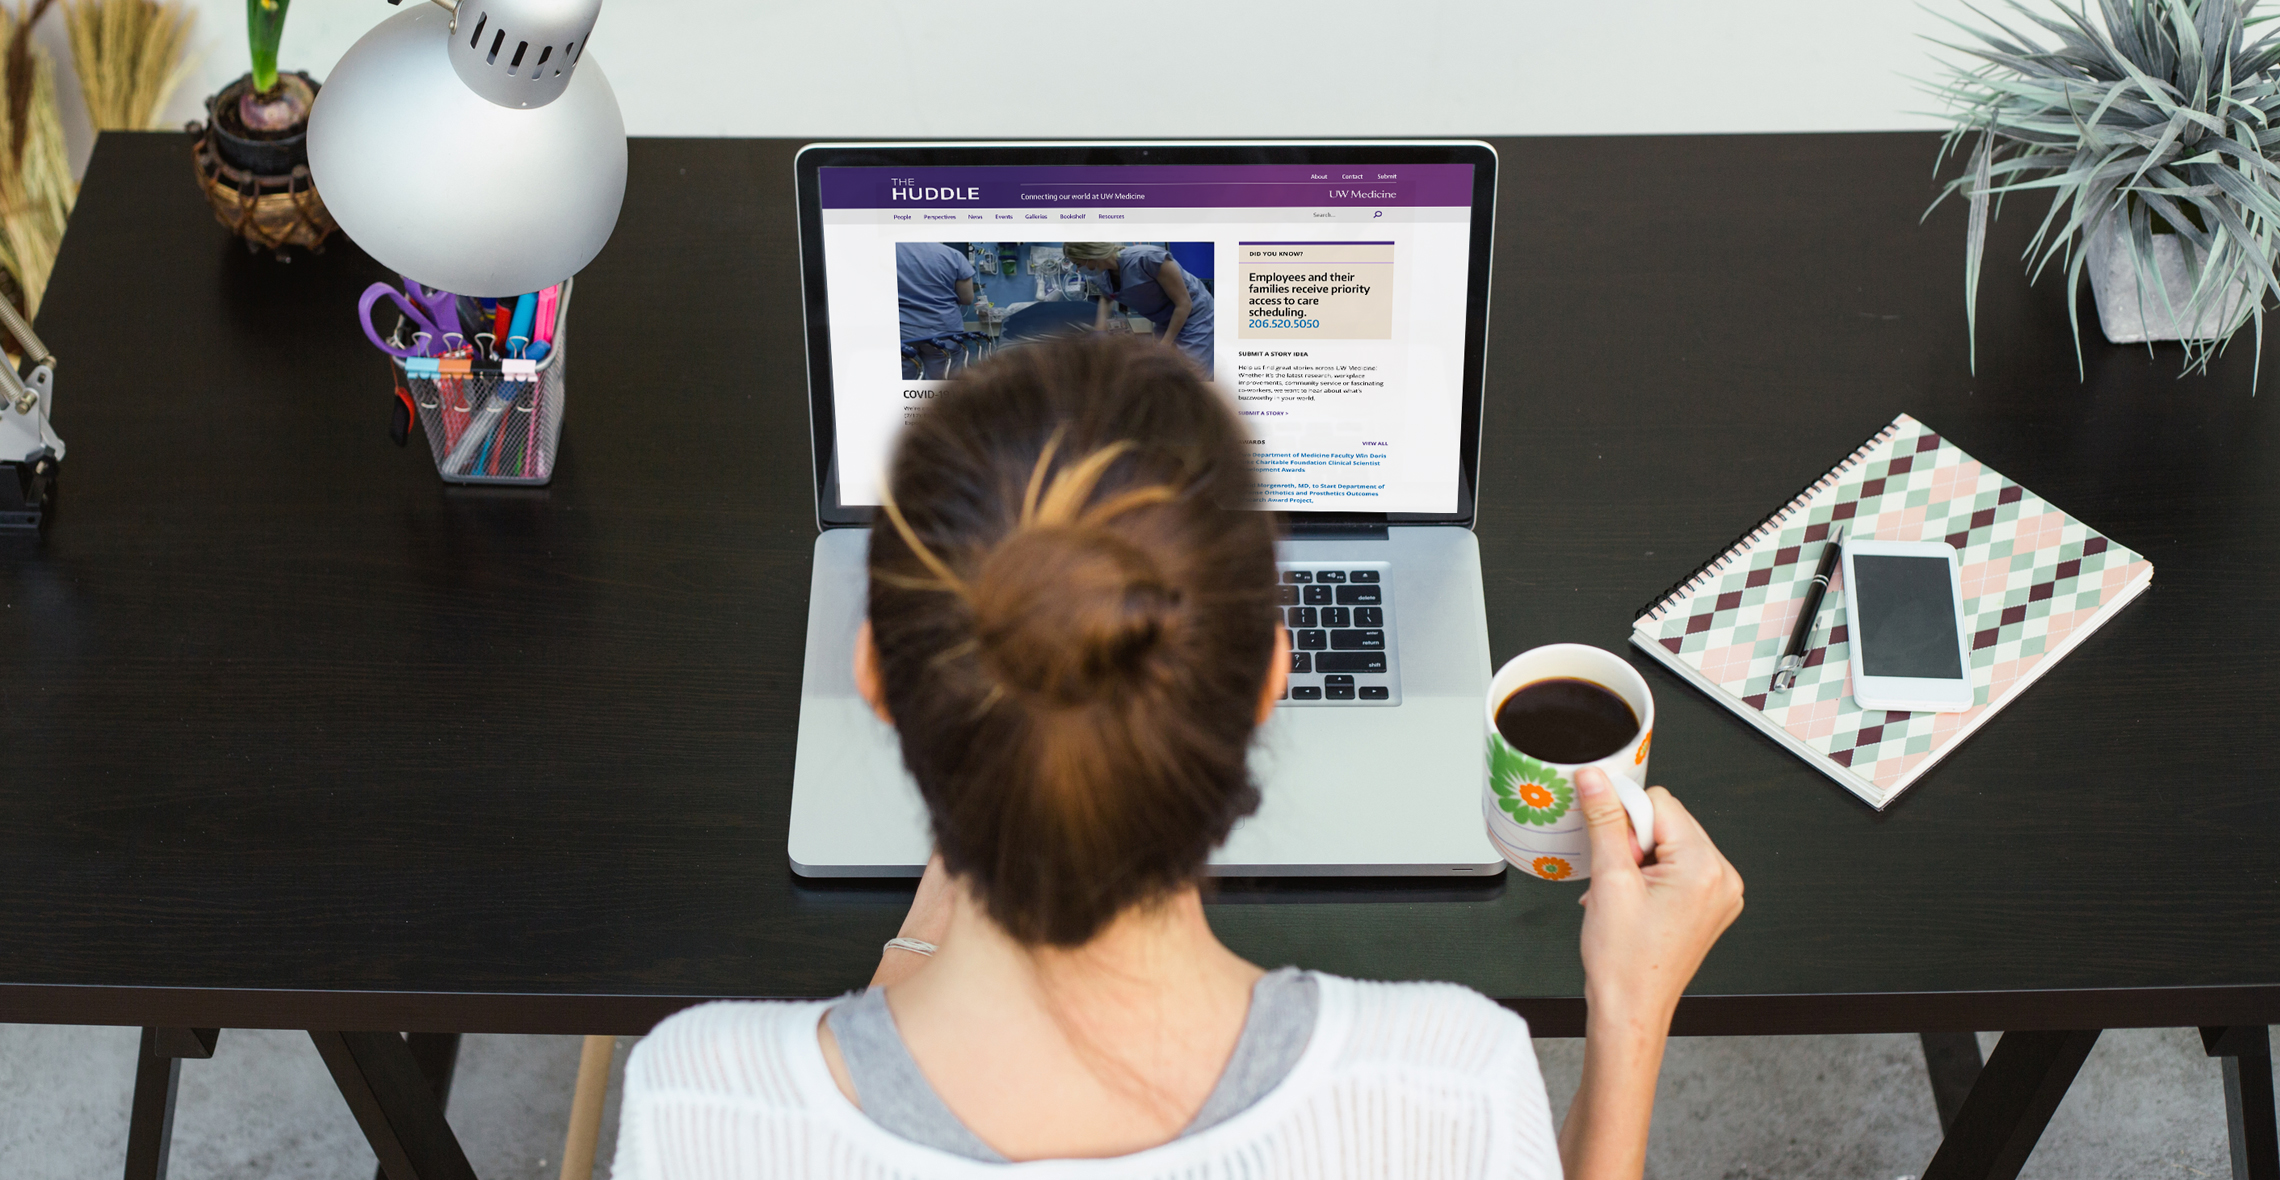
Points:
1793	652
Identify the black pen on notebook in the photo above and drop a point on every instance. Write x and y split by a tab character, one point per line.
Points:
1793	653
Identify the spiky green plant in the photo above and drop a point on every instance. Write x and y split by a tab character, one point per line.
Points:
2158	117
264	28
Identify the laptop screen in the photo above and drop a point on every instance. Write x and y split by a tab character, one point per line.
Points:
1330	302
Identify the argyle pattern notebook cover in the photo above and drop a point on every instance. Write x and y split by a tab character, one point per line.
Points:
2035	583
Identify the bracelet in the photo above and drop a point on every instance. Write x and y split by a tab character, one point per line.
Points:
913	945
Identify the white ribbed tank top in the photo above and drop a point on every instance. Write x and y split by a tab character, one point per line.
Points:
1399	1080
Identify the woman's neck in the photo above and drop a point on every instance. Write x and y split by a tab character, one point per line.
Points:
1119	1041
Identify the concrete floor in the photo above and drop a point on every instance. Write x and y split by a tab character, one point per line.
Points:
2147	1105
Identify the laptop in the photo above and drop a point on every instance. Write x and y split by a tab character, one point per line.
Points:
1338	295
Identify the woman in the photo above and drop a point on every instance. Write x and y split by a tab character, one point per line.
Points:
1146	279
1075	643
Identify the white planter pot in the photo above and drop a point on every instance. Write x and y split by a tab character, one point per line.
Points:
2131	314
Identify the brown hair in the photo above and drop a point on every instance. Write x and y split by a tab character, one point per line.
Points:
1074	617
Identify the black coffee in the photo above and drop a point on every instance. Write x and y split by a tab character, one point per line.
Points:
1566	720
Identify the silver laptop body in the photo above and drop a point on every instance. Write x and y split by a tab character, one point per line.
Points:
1384	786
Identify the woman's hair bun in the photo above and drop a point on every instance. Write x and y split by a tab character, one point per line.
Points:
1073	628
1070	613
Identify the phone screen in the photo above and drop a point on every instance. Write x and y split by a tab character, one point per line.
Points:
1907	617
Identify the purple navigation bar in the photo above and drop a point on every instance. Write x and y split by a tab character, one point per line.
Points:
1162	186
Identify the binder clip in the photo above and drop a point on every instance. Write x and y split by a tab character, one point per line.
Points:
31	456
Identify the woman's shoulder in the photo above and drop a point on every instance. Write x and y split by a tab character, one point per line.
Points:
748	1048
1428	1024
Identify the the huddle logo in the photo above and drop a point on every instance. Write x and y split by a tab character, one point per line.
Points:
907	188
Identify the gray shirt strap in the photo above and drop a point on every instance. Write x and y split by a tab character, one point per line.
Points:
888	1084
896	1095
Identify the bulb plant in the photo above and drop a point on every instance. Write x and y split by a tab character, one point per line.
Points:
2153	117
275	102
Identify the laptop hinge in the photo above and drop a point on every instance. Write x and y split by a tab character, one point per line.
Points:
1336	531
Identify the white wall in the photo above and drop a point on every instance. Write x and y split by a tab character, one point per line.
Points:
909	67
1206	67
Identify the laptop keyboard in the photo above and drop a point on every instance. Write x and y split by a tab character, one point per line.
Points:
1340	619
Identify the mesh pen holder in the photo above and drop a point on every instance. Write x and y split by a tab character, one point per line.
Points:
493	421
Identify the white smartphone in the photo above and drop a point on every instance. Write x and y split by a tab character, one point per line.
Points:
1904	602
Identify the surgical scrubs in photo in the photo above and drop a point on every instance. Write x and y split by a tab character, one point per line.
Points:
1133	284
927	275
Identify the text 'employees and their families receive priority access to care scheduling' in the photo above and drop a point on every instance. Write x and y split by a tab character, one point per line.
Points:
1328	301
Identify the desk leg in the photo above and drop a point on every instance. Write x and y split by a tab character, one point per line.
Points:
158	1071
438	1056
380	1077
1952	1059
2249	1115
2010	1104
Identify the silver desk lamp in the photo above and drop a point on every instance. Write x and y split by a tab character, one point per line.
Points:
475	147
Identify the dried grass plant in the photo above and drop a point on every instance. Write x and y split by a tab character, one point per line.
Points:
36	188
130	54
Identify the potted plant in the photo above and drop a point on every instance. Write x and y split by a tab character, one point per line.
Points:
252	153
2154	128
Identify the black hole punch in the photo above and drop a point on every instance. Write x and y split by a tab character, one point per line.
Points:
540	68
476	41
516	64
575	56
496	42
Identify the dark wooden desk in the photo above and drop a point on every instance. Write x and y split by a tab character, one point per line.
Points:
292	735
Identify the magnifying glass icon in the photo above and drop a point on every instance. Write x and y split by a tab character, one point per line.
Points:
1379	213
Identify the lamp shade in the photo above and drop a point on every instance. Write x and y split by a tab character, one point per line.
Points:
443	185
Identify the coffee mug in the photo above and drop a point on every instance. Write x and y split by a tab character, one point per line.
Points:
1530	803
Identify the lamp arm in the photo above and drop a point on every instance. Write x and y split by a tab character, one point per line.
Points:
450	6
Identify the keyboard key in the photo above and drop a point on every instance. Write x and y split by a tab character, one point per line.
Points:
1287	595
1375	692
1349	661
1347	680
1329	575
1357	640
1338	692
1313	640
1297	577
1305	692
1335	616
1369	616
1301	662
1303	616
1353	595
1320	595
1370	576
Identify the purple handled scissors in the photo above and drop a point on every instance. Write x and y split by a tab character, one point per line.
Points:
434	315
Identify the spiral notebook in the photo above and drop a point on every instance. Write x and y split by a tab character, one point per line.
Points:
2036	582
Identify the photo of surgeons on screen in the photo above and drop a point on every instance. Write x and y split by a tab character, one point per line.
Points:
962	301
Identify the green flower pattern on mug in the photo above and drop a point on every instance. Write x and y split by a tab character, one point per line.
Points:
1528	791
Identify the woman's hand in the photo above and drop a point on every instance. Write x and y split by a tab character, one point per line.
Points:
928	921
1647	928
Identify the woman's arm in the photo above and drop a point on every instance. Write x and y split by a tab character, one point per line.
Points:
1174	282
928	919
1645	931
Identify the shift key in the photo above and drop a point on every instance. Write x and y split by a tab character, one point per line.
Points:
1349	661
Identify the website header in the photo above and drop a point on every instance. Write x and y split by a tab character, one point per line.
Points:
1171	186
